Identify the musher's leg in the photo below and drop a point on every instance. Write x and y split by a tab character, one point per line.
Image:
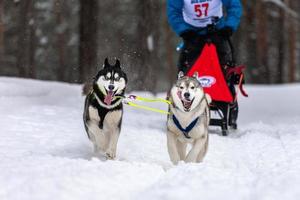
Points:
223	50
189	54
225	55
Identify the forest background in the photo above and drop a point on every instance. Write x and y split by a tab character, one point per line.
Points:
67	40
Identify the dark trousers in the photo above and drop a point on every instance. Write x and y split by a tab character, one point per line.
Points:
193	48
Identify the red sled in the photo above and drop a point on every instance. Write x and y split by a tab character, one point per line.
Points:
210	74
216	83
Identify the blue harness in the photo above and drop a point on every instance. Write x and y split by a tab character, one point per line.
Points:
186	130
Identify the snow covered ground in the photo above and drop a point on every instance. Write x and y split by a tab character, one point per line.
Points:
45	154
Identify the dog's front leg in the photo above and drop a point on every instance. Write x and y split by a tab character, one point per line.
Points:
181	147
112	144
96	136
202	152
196	149
172	148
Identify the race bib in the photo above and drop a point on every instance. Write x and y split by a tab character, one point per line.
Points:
200	13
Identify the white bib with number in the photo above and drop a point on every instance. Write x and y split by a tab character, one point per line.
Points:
200	13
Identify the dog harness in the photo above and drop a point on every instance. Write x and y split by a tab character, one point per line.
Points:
186	130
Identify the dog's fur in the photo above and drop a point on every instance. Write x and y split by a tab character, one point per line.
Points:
188	102
103	109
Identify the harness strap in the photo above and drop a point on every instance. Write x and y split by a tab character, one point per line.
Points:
241	86
134	97
186	130
146	107
239	71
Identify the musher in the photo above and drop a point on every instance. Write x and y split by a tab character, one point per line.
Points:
196	22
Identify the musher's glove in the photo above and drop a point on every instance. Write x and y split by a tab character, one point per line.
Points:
226	32
189	36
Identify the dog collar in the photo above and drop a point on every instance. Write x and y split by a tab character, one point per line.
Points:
186	130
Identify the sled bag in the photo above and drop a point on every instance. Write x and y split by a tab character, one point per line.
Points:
210	74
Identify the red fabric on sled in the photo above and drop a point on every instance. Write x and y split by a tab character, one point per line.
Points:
208	65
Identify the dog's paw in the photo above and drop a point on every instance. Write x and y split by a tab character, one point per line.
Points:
175	160
111	155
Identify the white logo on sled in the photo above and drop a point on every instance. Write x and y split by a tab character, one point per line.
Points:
207	81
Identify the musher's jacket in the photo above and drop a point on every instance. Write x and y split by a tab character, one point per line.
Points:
185	15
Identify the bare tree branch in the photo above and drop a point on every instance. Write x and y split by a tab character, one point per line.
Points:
283	6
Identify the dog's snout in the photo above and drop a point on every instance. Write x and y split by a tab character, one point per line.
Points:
186	95
111	87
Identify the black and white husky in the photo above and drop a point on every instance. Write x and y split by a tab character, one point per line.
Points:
188	120
104	109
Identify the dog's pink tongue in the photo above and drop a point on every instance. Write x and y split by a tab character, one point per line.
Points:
187	104
108	98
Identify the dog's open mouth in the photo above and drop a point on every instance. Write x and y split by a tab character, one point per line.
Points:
109	97
187	104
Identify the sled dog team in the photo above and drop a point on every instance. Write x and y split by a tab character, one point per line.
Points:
187	122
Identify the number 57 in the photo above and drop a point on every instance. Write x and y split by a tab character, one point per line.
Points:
199	7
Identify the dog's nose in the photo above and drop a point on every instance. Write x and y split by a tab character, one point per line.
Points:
111	87
186	95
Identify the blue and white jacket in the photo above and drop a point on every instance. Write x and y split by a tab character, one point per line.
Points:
184	15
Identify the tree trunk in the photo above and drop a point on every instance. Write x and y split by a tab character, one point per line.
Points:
249	57
171	67
262	43
148	36
292	45
25	61
22	58
281	47
31	42
60	42
1	31
88	38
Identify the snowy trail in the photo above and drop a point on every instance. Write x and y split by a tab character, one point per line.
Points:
45	154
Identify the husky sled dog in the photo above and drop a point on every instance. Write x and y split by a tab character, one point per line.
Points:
104	109
188	120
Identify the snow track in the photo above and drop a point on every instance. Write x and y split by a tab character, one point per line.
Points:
45	154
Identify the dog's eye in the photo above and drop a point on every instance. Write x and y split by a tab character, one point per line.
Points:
181	87
192	87
117	79
106	78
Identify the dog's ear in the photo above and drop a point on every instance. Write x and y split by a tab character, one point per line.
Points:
195	75
208	98
106	63
118	64
180	75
